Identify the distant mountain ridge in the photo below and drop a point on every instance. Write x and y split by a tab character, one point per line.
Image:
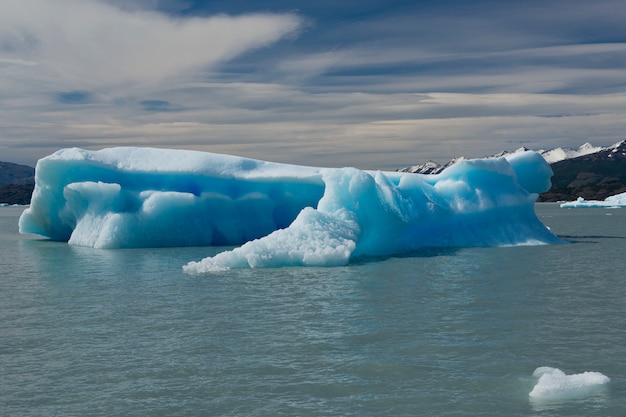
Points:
16	183
551	156
591	172
560	154
593	176
16	174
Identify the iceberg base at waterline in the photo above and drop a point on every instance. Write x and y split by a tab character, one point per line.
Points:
282	215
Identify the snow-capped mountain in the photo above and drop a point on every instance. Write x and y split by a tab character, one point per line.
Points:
560	154
551	156
594	176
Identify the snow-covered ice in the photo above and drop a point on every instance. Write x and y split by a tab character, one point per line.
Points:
282	214
554	384
614	201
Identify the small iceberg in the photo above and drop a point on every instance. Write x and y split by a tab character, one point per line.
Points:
554	384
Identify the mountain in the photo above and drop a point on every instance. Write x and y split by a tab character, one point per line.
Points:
16	183
559	154
594	176
551	156
16	174
591	172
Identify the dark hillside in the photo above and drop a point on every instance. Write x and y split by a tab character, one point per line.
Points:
593	177
16	174
16	193
16	183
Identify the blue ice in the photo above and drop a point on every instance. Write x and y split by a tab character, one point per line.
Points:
280	214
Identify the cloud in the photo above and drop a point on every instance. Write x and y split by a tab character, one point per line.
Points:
287	124
387	85
159	106
74	97
96	45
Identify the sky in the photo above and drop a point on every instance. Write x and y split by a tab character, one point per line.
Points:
374	84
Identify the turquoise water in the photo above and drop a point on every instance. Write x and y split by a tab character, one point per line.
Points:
447	332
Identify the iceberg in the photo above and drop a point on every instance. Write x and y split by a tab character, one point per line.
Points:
614	201
554	384
281	214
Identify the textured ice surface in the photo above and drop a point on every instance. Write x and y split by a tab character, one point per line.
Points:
282	214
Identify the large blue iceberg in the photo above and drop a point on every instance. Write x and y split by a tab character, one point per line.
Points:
281	214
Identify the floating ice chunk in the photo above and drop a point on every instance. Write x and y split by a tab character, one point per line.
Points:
281	214
554	384
614	201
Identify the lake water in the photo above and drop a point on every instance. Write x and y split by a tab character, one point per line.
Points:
447	332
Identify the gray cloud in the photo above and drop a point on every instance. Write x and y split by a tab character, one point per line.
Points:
385	89
100	46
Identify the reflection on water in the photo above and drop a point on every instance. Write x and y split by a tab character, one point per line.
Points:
592	398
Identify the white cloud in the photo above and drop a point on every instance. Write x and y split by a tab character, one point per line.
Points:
90	45
286	124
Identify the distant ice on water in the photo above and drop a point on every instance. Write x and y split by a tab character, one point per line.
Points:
614	201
